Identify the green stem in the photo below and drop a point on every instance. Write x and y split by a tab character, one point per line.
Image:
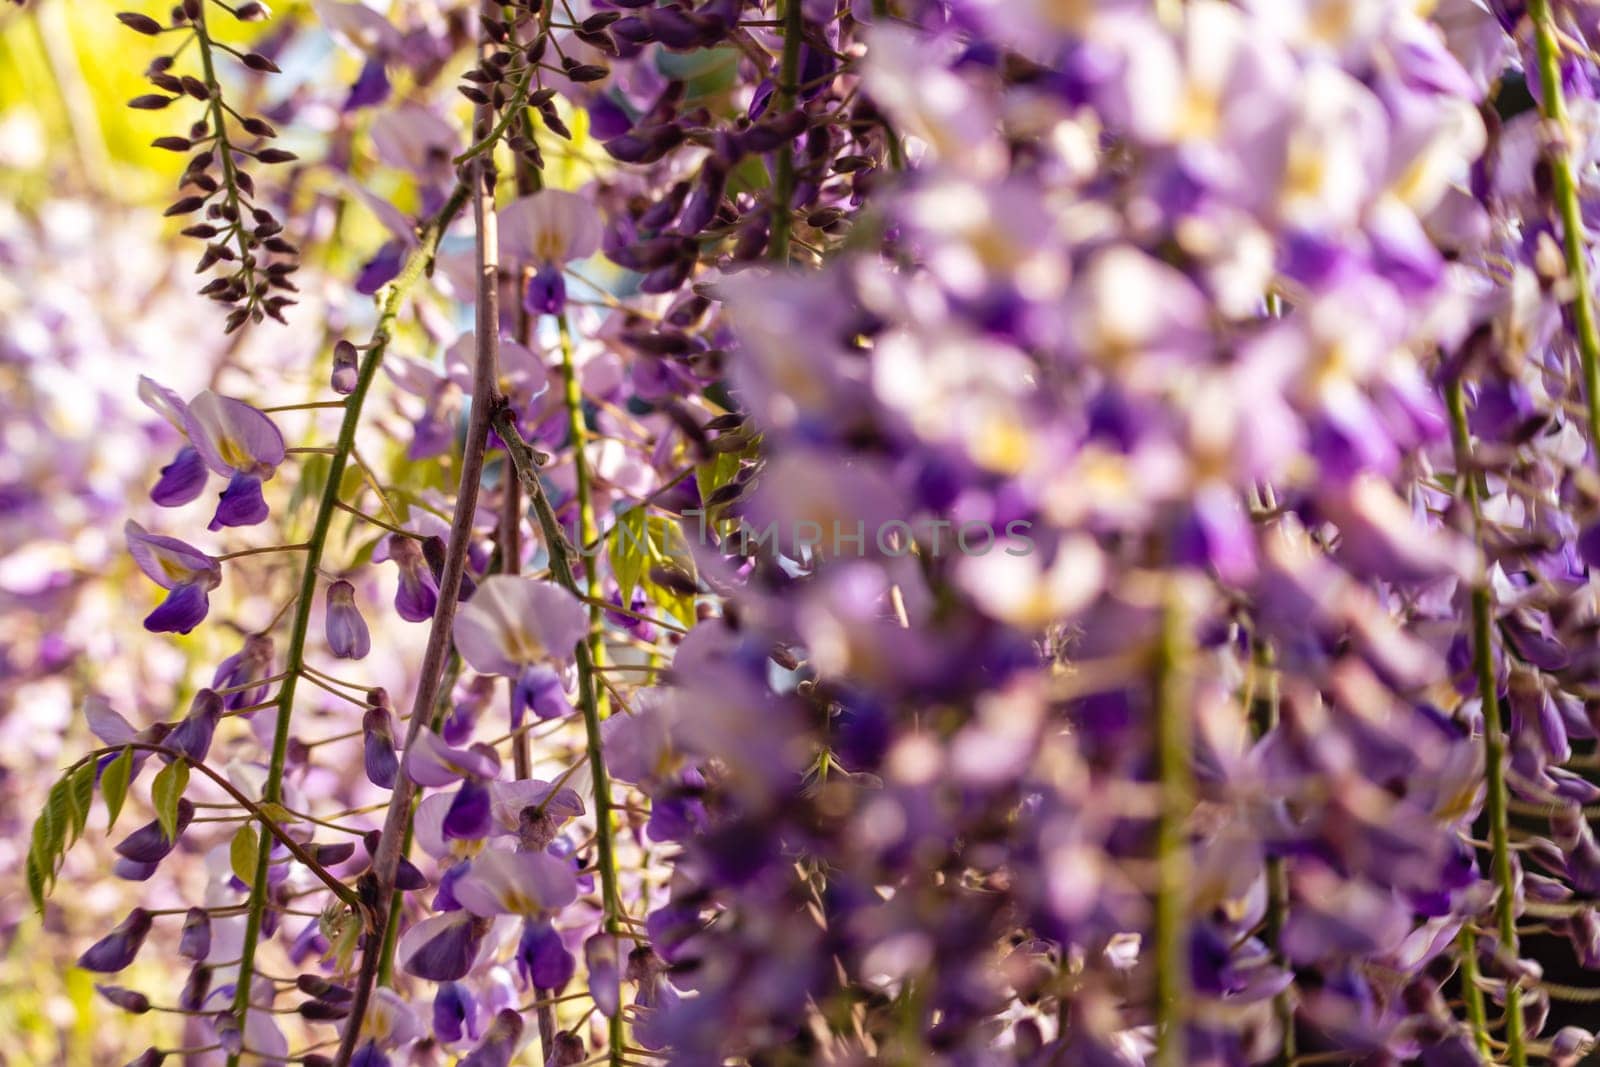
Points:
393	838
592	651
1173	872
1493	736
561	555
294	659
1265	711
1472	992
783	181
1566	195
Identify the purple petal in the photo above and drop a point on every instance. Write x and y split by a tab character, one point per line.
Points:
347	630
600	955
183	609
499	1044
240	504
195	942
468	817
371	88
233	437
193	735
118	948
182	480
168	561
431	762
516	883
546	292
441	948
382	765
539	689
542	957
453	1009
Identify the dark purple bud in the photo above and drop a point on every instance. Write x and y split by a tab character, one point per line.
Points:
118	948
345	368
193	735
629	148
251	663
195	942
331	855
382	764
702	206
1589	545
229	1034
181	480
128	1000
600	956
139	23
347	633
666	279
433	551
314	985
760	100
321	1011
195	988
569	1050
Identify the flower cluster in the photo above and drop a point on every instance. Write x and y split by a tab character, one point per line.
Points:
1013	532
238	231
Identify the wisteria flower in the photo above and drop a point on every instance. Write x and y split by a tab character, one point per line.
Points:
546	230
348	637
520	628
240	443
184	478
516	883
185	572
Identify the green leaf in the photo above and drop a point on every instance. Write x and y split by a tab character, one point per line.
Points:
58	811
36	882
626	547
114	785
80	791
669	546
278	813
165	793
243	854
